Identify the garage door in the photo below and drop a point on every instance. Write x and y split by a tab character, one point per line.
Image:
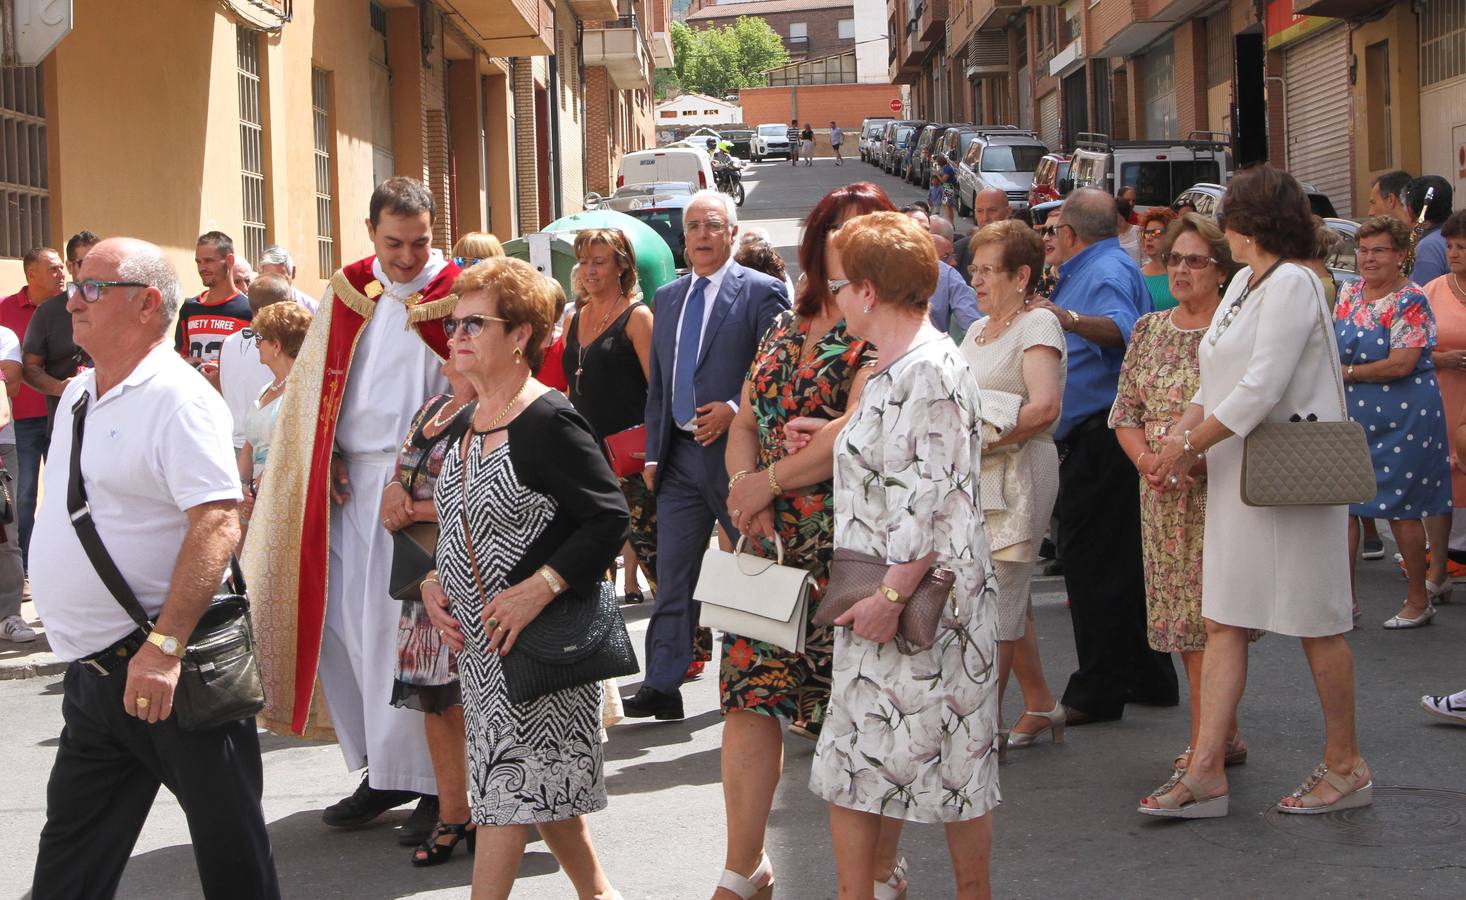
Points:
1319	150
1048	119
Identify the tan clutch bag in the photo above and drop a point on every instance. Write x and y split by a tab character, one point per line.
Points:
855	576
1308	463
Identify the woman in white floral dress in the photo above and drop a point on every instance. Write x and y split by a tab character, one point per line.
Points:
908	737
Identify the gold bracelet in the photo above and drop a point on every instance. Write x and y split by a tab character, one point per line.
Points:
737	477
553	580
892	595
431	577
774	481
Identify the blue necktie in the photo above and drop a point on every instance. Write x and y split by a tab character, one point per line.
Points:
689	345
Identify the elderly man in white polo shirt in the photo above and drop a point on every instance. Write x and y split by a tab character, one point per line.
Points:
161	482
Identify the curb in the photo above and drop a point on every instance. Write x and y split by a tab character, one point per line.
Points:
39	669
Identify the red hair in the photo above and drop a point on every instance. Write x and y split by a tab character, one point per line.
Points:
860	198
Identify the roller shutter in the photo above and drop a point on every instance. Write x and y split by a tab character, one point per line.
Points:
1319	150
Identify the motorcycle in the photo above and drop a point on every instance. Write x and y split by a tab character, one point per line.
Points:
729	179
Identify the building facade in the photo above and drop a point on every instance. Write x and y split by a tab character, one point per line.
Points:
697	109
275	119
809	28
1336	91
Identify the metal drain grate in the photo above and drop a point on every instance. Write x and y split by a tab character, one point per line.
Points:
1401	817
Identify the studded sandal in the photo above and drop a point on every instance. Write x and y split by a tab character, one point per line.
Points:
1352	793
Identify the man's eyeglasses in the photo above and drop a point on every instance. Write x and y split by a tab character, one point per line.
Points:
835	285
1189	260
711	226
471	325
91	290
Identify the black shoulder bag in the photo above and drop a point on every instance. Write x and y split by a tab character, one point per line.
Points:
219	681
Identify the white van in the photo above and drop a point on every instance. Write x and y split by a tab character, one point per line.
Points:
686	164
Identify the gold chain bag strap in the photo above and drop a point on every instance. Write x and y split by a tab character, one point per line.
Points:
1305	462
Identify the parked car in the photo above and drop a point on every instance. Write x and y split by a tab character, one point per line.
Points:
686	164
636	196
954	141
1341	262
742	141
896	140
663	212
1207	198
771	140
870	136
919	172
1158	170
1050	171
1002	157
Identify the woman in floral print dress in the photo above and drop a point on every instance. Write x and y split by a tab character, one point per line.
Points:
807	367
909	737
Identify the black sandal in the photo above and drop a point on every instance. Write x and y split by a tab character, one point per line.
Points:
432	853
634	597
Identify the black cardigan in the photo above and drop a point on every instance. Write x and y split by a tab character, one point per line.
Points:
554	452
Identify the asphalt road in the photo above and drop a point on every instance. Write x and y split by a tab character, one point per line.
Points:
1067	827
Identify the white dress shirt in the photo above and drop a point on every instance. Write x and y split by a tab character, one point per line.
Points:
710	295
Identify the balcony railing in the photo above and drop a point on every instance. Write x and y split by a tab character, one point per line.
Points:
618	46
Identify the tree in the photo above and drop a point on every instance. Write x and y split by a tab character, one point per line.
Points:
718	61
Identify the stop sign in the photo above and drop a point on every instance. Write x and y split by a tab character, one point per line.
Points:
37	27
895	106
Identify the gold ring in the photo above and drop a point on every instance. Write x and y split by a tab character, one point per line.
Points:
142	702
493	623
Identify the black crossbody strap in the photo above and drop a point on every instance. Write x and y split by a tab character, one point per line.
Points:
86	529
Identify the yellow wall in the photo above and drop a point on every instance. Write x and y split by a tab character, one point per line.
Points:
1399	28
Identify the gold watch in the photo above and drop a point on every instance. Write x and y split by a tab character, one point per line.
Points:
167	643
892	595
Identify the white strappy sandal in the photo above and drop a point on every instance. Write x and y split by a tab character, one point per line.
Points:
757	886
893	888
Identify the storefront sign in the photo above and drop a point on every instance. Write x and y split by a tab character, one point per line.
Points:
1284	27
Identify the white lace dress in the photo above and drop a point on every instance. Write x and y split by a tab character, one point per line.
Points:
913	737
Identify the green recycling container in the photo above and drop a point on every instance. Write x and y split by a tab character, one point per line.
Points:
654	265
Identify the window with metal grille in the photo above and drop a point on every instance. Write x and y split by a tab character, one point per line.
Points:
25	198
1442	40
325	224
251	142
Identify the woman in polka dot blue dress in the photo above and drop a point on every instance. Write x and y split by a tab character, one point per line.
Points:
1386	331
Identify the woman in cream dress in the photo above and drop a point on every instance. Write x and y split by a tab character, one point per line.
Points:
1269	355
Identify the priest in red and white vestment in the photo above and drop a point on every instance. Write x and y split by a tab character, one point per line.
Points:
317	558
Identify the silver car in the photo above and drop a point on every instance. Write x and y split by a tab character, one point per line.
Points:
1002	158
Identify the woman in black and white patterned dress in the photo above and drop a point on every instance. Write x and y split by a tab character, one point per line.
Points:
545	515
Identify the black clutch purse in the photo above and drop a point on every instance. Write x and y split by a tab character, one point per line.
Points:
414	554
576	640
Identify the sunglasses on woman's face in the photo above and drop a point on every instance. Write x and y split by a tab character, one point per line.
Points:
471	325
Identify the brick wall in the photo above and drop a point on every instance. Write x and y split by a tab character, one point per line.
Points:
822	26
526	171
847	104
1190	77
572	112
598	125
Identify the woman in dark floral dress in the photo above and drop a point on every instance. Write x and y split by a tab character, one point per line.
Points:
807	368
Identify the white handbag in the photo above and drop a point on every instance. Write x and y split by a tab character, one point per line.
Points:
754	597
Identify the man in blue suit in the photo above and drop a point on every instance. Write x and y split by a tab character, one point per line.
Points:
707	328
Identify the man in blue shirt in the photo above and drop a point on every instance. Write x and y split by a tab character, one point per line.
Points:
1099	296
953	307
1430	250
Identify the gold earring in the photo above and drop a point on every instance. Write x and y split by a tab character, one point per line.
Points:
518	356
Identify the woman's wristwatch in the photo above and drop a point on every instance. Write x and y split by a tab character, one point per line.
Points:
892	595
553	580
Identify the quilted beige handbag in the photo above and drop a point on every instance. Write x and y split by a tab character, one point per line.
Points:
1308	463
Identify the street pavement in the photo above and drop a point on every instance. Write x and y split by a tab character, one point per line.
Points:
1067	828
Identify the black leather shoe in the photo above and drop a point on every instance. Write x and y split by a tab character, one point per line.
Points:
364	806
1076	717
419	825
650	702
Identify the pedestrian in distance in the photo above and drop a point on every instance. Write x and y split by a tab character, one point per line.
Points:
370	361
1265	357
1153	227
1386	333
806	145
906	492
242	374
221	310
837	137
794	141
276	260
279	329
49	354
13	626
163	491
1099	295
1387	196
805	379
1017	354
704	337
45	280
529	513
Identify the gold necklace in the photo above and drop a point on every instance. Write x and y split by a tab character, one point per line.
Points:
581	344
508	406
982	336
1460	292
